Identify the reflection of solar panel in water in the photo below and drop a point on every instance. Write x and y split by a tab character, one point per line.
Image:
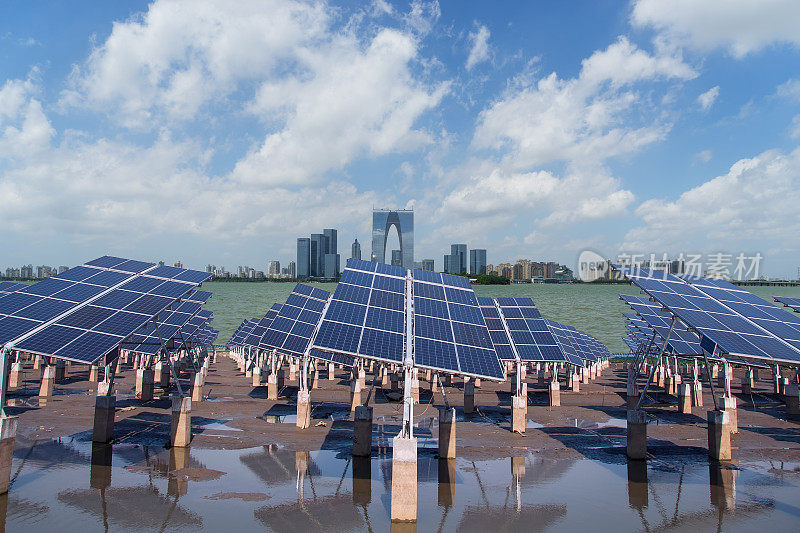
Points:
717	324
366	315
450	333
529	331
291	330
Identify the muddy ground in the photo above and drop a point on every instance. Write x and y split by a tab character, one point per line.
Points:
235	415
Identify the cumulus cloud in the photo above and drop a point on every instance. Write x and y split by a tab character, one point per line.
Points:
479	51
707	99
790	90
740	27
752	207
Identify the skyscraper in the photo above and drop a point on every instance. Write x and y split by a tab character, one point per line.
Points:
355	250
403	222
318	250
397	258
458	261
477	261
292	269
274	268
303	257
331	265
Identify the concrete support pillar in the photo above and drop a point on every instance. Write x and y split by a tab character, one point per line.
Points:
144	384
469	397
15	376
714	371
197	388
728	404
331	372
355	394
632	392
8	432
272	387
447	433
697	394
315	382
37	362
637	434
519	411
94	372
303	409
384	377
362	377
576	382
48	381
404	479
585	375
61	370
362	431
434	383
719	435
792	400
414	387
257	377
685	399
555	394
292	370
118	370
181	433
782	388
104	408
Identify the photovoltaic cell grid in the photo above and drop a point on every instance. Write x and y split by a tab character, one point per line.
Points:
532	338
254	337
7	287
240	333
793	303
572	342
91	331
292	328
366	315
681	340
497	332
450	333
720	325
170	325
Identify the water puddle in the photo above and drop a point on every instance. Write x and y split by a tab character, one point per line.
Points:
70	484
218	425
591	424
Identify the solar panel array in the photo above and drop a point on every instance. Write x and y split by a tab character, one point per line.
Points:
88	311
793	303
292	328
366	315
577	345
242	331
497	331
533	339
721	324
681	340
34	305
450	333
254	335
170	323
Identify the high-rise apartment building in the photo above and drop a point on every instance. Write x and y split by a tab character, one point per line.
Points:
291	270
273	268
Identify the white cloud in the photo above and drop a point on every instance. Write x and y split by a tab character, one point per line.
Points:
790	90
740	27
24	128
479	51
581	118
703	157
707	99
794	129
753	207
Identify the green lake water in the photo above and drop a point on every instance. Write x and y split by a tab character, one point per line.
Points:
595	309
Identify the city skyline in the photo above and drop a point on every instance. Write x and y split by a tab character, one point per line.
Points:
533	130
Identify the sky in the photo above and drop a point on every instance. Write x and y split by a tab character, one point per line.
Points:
220	131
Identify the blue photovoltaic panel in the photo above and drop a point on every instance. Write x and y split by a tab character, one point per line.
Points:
532	338
107	261
726	328
778	322
91	331
80	273
7	287
681	340
291	330
793	303
344	360
450	333
566	341
199	296
366	315
47	287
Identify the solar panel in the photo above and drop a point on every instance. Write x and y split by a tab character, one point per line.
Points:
762	313
7	287
450	333
715	322
573	343
681	340
291	330
532	338
366	314
794	303
87	332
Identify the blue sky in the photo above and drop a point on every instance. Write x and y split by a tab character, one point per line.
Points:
220	131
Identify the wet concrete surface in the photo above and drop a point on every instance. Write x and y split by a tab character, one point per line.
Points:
570	471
